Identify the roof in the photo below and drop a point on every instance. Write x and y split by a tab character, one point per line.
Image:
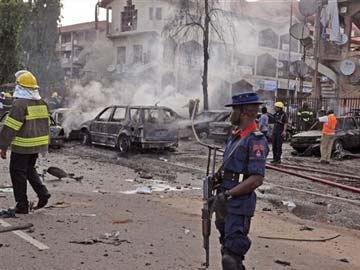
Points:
82	26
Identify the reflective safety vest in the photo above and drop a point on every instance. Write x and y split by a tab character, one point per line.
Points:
305	116
26	128
7	104
330	126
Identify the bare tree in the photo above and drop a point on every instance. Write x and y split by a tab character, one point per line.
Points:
191	18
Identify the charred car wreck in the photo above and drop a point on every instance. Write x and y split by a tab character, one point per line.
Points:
127	127
347	138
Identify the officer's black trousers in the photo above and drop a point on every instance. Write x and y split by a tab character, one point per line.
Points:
22	168
277	142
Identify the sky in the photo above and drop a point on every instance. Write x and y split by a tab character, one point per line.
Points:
79	11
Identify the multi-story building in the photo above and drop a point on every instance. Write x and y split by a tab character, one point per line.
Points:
254	53
72	41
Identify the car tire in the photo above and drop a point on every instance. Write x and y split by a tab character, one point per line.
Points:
338	149
85	137
124	144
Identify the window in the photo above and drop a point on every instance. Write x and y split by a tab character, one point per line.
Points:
158	14
349	124
121	56
284	43
151	13
138	51
137	115
105	115
119	115
152	116
129	17
266	65
268	38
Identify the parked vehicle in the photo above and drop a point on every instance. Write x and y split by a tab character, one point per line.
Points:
347	137
57	134
70	120
220	130
125	127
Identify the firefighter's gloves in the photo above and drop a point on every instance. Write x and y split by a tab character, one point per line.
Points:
3	153
219	203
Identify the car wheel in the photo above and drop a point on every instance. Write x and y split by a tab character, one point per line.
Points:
124	144
85	137
204	135
338	149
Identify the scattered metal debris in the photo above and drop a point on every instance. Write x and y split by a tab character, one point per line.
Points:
306	228
16	228
290	205
59	173
298	239
112	238
283	263
59	205
123	221
344	260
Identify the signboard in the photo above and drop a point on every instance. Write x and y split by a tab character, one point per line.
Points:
268	85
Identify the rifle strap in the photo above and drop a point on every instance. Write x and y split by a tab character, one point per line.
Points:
232	151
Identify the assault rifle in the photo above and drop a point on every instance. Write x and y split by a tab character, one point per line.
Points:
210	184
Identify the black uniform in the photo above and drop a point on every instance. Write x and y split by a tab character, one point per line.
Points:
277	138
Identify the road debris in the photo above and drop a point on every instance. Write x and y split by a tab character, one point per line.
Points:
299	239
306	228
112	238
143	190
123	221
16	228
59	173
61	204
290	205
283	263
344	260
7	213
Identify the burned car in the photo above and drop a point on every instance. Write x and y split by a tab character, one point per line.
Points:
70	120
57	134
347	137
125	127
221	130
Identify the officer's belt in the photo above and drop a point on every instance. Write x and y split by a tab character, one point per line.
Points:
231	176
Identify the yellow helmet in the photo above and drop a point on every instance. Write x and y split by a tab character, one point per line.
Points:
279	104
27	80
7	95
55	94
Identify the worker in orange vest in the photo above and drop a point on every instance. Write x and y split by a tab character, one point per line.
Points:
328	136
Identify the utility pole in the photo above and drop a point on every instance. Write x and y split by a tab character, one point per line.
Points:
316	80
289	55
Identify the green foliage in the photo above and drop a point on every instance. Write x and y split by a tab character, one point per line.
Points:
39	42
11	19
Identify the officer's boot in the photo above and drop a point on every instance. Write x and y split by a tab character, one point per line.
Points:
229	263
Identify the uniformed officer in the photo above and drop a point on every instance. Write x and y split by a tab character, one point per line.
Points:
238	196
279	132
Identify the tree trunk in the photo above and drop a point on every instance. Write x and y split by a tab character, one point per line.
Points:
206	56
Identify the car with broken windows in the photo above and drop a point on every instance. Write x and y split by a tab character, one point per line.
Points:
128	127
347	138
57	134
70	120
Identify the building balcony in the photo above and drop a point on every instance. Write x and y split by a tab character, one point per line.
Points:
330	51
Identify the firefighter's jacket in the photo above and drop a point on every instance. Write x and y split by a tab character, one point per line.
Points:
306	115
7	104
26	127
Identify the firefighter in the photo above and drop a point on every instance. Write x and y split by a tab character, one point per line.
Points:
236	196
26	130
279	132
7	102
306	117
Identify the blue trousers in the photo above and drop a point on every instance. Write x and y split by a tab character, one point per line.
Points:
233	234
